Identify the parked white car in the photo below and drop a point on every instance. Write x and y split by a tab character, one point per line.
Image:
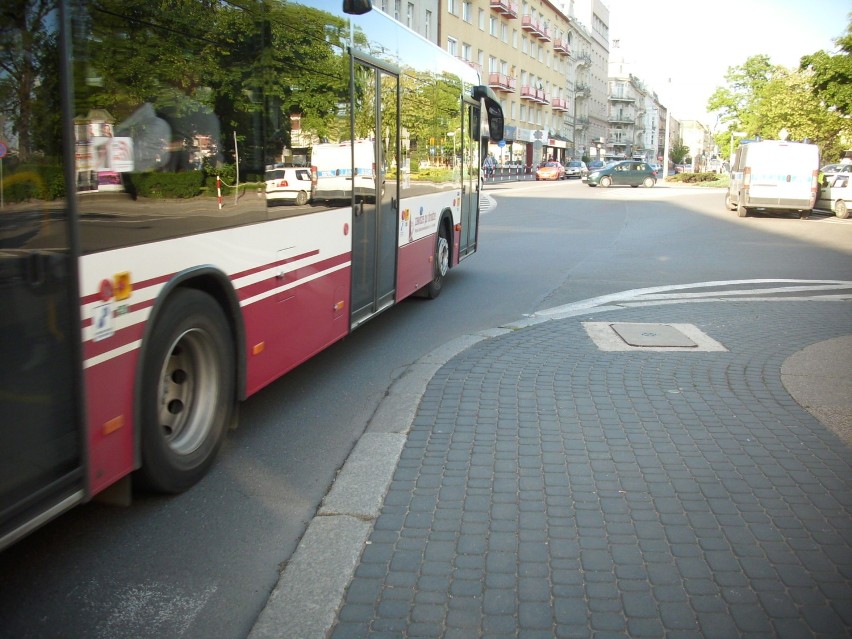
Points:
289	183
836	194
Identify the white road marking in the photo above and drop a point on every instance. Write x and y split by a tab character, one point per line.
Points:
721	290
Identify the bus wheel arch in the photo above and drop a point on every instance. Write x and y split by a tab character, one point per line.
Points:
186	390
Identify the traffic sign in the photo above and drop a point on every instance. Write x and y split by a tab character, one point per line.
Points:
3	150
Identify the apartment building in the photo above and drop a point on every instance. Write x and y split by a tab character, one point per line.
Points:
699	139
566	91
545	65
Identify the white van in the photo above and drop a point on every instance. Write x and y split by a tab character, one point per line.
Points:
774	174
336	175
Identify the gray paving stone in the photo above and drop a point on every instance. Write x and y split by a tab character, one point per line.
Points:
550	489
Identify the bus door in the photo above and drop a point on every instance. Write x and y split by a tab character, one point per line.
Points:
375	178
471	164
41	443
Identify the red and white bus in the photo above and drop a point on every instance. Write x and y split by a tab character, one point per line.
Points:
138	305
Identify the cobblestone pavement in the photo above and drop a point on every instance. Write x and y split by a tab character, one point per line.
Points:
548	488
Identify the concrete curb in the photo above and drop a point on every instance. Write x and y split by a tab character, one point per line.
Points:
310	591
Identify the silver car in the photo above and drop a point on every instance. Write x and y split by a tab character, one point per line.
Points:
577	169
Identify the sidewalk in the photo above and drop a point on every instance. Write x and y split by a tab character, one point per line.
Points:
559	479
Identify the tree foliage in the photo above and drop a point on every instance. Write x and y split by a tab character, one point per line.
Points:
831	75
811	103
678	152
25	44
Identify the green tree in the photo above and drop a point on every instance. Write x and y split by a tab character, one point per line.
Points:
24	42
761	100
831	75
735	102
788	103
678	152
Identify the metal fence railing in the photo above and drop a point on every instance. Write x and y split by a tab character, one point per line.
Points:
495	174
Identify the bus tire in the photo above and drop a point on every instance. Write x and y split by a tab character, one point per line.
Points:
187	392
440	265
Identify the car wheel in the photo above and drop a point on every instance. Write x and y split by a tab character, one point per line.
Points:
840	209
301	198
606	181
648	182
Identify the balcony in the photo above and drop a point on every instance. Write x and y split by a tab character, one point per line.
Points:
502	82
584	60
559	104
472	64
560	45
505	8
621	98
582	90
534	95
620	119
533	26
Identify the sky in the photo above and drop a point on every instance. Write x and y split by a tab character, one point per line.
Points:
682	49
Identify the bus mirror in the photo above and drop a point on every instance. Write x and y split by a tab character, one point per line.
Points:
495	121
357	7
493	110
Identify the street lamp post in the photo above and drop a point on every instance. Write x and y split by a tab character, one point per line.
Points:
666	146
738	134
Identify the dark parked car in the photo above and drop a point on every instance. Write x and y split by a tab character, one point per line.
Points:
576	168
628	172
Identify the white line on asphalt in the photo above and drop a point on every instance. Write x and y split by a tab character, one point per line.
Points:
669	293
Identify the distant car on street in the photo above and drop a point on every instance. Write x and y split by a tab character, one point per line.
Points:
577	169
832	169
627	173
836	195
550	171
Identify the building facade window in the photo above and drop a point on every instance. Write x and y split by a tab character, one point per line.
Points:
467	11
452	46
451	7
482	19
427	26
409	16
493	26
467	52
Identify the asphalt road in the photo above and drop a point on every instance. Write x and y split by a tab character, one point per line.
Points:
203	563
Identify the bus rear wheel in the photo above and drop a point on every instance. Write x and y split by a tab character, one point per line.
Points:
187	392
441	264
